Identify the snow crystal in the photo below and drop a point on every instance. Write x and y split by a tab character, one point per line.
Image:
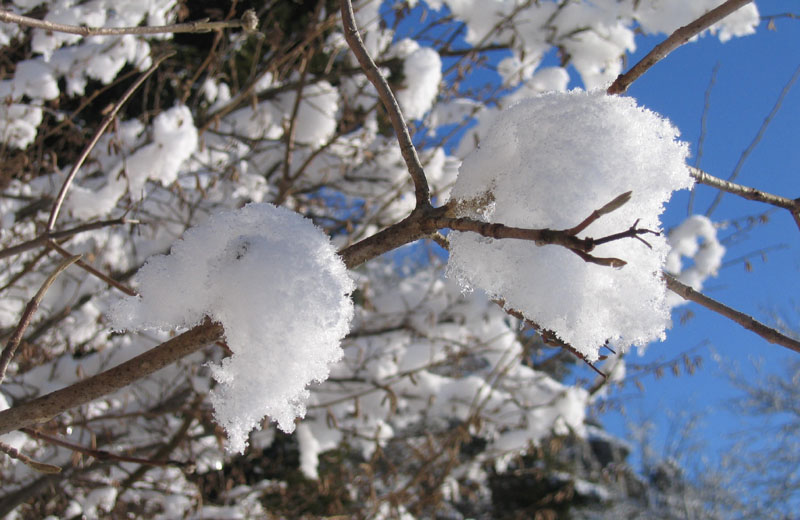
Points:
316	116
548	162
275	283
174	141
707	257
422	69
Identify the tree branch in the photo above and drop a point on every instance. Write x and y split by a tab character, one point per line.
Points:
62	194
98	454
248	22
38	466
407	149
44	408
46	237
759	135
748	322
746	192
27	316
675	40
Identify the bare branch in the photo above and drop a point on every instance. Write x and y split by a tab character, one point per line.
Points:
549	337
675	40
759	135
615	204
248	22
44	238
91	270
703	131
746	192
44	408
41	467
93	142
407	149
27	316
748	322
98	454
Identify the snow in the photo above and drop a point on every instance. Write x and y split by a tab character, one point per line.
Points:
275	283
422	69
706	257
174	141
548	162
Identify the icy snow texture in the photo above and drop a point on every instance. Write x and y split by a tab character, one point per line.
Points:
707	257
422	69
548	162
275	283
174	141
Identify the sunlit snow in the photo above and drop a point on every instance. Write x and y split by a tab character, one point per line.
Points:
275	283
548	162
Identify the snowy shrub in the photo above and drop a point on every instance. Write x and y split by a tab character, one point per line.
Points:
548	162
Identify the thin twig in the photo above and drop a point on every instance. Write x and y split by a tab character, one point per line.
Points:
675	40
615	204
27	316
248	22
45	237
44	408
41	467
748	322
549	337
703	132
91	270
407	149
90	146
757	139
98	454
746	192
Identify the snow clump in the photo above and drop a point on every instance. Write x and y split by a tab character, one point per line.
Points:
706	257
275	283
422	69
548	162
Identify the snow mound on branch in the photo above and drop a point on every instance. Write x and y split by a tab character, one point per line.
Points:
548	162
276	284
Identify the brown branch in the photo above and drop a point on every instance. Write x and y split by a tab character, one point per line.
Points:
45	237
93	142
95	453
44	408
614	205
549	337
746	192
91	270
27	316
748	322
248	22
41	467
675	40
407	149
